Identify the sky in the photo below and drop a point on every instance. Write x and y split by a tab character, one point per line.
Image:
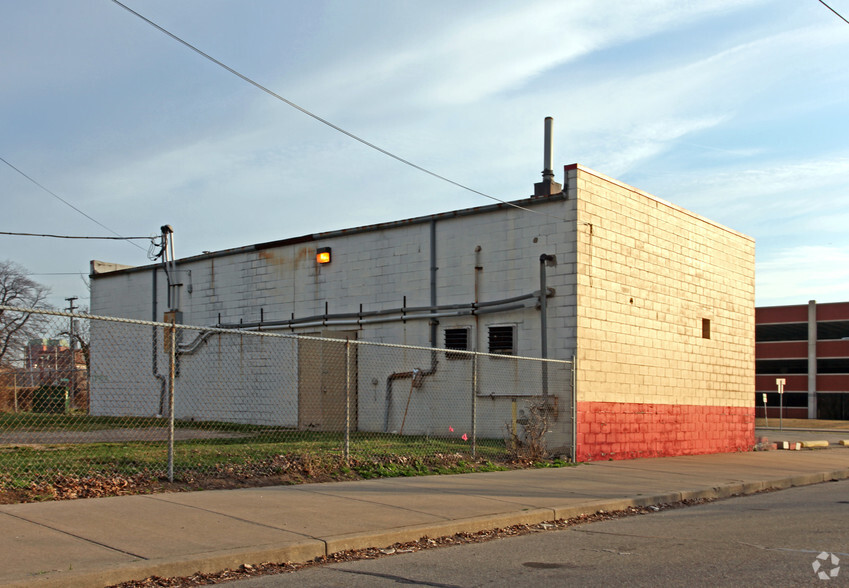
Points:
736	110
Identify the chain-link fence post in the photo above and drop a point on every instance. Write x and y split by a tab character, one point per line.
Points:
172	369
348	364
474	405
574	409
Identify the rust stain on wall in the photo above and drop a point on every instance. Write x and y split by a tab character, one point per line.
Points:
303	254
283	262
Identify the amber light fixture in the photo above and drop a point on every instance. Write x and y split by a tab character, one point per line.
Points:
322	255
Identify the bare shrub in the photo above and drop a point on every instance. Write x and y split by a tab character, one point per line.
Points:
528	441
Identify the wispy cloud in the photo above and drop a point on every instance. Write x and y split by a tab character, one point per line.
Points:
478	53
793	188
794	276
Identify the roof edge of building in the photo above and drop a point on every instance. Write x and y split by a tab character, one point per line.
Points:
524	203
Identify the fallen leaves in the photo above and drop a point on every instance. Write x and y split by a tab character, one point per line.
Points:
64	487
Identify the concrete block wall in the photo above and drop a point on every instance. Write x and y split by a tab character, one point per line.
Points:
121	370
240	378
480	256
649	274
231	378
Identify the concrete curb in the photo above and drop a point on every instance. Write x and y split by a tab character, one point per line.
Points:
178	566
416	532
315	548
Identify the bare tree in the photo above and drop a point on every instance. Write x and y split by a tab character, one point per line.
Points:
18	290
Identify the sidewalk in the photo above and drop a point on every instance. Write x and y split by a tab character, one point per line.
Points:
101	541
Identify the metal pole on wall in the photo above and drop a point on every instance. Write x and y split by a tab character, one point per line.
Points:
347	452
474	405
172	362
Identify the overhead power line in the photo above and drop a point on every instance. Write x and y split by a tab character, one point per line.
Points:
840	16
95	221
72	236
323	121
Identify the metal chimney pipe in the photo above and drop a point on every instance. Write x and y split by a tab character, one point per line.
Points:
547	172
547	186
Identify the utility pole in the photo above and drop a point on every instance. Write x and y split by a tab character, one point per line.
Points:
72	375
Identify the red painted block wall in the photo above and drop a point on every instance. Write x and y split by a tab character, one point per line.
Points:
623	430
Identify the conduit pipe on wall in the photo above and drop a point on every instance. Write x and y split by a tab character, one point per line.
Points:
383	316
334	322
193	346
163	381
403	313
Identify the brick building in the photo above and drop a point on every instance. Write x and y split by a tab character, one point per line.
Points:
807	345
655	303
51	362
46	362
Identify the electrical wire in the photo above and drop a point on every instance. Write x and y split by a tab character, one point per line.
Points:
67	203
70	236
317	117
56	274
840	16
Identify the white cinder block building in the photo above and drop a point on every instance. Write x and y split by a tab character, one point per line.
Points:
656	303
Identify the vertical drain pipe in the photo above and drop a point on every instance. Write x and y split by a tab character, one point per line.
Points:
433	268
543	319
478	272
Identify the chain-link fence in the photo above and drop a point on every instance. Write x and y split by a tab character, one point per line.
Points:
111	396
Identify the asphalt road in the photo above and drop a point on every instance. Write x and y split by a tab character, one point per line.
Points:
770	539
